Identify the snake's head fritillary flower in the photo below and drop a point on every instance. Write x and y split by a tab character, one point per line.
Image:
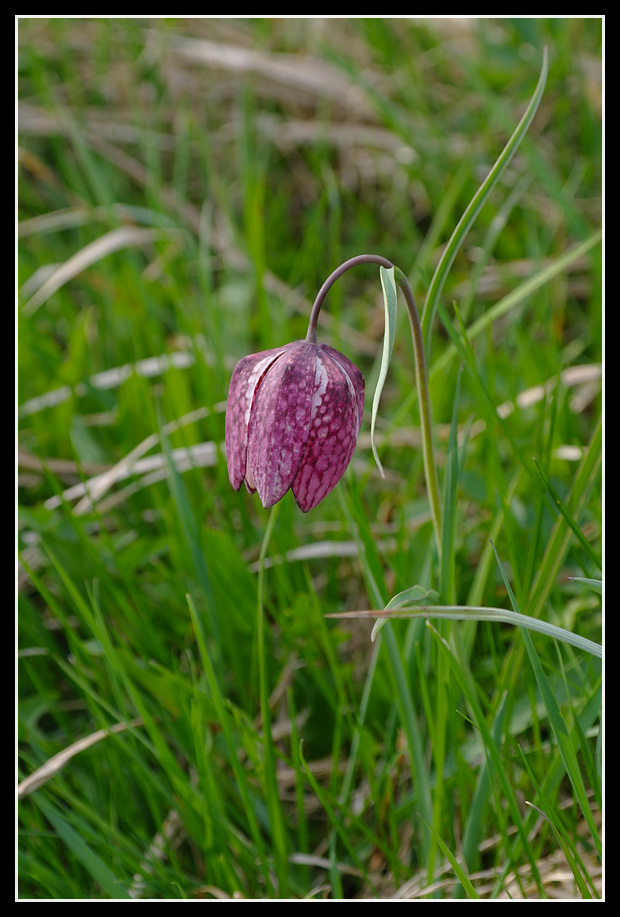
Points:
292	421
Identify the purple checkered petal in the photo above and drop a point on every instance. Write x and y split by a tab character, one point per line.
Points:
336	417
246	378
280	421
292	421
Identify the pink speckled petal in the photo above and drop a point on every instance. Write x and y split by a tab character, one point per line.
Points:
280	420
244	383
337	407
355	377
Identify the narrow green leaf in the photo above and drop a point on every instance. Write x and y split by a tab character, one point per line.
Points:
456	866
562	737
557	723
481	613
559	540
567	853
93	864
477	202
472	834
191	533
226	722
509	302
470	691
595	584
557	502
376	586
388	285
333	815
451	477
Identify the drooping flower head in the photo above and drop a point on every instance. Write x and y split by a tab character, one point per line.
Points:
292	421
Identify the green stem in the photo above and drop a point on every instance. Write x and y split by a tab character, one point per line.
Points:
421	374
276	821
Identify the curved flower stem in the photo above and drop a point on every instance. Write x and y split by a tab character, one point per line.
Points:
333	277
430	469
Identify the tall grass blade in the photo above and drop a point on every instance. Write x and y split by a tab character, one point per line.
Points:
93	864
559	504
557	724
456	866
477	202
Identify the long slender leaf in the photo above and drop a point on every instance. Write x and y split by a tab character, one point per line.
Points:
480	613
93	864
557	723
473	831
497	763
458	869
451	478
570	859
227	727
390	302
557	502
477	202
559	540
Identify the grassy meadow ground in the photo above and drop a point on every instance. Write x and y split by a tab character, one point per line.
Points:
191	721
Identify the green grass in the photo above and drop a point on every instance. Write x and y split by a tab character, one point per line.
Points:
192	721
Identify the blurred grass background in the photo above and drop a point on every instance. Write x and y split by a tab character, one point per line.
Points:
184	188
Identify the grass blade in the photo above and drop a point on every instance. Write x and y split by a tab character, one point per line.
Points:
451	478
570	859
477	202
557	723
559	504
93	864
227	728
481	613
458	869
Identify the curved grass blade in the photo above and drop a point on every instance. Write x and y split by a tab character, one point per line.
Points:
558	503
556	721
560	536
112	241
225	718
413	596
583	888
477	202
496	759
456	866
96	868
481	613
595	584
510	301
